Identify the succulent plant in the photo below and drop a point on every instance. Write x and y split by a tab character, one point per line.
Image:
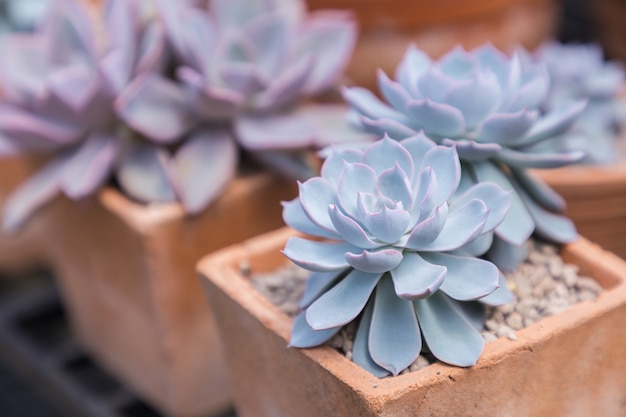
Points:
21	15
96	96
579	71
489	106
60	85
248	63
401	236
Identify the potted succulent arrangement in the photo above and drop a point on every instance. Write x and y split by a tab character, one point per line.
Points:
593	189
147	115
388	27
410	238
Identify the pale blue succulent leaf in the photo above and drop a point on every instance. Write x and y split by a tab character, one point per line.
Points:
343	302
505	255
387	225
40	188
438	119
501	296
385	153
350	230
461	226
374	261
467	278
476	98
317	284
367	104
552	124
393	92
330	36
416	277
503	128
413	64
382	127
434	84
203	167
156	107
91	165
333	164
394	184
531	95
295	217
538	190
303	336
517	225
355	178
539	160
316	194
394	339
495	197
445	163
143	173
317	256
360	351
447	331
427	231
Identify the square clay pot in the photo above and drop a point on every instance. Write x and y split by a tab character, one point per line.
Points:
571	364
127	277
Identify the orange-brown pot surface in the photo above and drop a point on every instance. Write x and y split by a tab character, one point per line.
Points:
127	277
565	365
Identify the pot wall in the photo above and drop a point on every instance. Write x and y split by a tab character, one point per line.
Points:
596	202
388	27
127	277
571	364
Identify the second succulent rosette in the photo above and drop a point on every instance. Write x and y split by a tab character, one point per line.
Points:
401	235
488	105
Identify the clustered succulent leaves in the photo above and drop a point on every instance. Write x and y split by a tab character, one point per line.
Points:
579	71
488	105
401	232
161	97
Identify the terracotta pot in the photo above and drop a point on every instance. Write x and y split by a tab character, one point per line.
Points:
24	249
564	365
127	276
389	26
596	201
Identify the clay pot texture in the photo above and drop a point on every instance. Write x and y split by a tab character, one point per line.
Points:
127	276
25	249
596	201
388	27
566	365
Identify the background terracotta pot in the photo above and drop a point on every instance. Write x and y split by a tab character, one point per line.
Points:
596	201
24	249
127	278
569	364
389	26
609	17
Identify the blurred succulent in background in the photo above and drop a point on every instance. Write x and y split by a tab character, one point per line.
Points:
578	71
59	87
402	233
21	15
248	62
489	106
92	89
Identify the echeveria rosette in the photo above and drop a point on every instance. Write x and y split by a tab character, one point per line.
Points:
60	85
579	71
248	63
489	106
399	250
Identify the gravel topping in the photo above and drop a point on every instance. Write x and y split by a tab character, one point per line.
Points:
543	284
